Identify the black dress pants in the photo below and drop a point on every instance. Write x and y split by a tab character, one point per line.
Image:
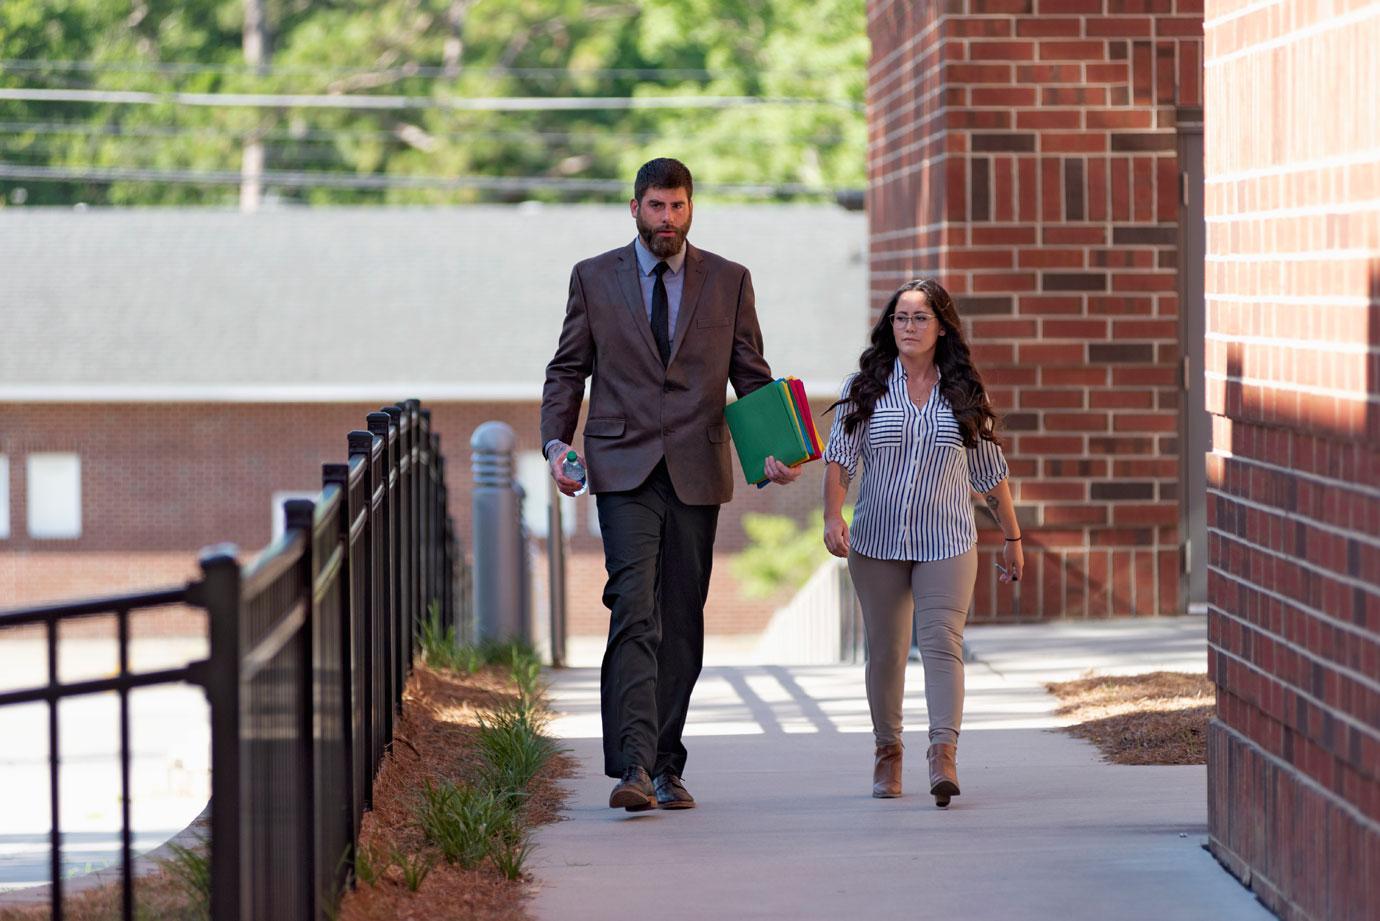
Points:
658	553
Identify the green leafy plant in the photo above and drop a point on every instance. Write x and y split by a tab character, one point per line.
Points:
513	748
190	869
414	868
781	554
463	821
441	646
368	868
510	854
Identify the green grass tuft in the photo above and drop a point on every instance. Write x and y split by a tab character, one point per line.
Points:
368	868
463	821
414	868
190	869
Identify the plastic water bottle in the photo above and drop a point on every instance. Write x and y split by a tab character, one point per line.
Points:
572	469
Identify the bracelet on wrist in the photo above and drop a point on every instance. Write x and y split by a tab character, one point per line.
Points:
1011	539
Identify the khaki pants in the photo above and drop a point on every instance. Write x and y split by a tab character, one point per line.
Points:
935	596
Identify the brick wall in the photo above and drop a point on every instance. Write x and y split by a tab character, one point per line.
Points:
161	481
1025	153
1293	296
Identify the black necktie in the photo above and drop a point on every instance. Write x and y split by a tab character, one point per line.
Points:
661	314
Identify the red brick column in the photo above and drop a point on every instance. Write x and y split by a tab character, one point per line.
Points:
1293	297
1025	152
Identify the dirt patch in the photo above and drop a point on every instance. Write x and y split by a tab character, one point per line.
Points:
1156	718
434	740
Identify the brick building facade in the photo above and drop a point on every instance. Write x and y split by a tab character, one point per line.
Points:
1025	152
1293	321
160	481
1041	157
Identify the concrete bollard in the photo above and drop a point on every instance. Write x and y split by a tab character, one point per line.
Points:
496	511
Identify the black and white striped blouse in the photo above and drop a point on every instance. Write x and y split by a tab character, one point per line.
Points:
913	502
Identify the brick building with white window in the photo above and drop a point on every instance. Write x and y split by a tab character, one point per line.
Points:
167	377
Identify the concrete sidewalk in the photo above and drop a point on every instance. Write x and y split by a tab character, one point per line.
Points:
780	760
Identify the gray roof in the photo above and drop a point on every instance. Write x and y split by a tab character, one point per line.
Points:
364	303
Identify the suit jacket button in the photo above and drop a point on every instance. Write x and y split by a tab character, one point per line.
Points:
666	387
667	431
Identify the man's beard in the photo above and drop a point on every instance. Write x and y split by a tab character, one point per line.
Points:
662	247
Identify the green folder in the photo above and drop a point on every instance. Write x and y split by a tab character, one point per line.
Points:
764	423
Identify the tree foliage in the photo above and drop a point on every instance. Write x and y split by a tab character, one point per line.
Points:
782	553
811	50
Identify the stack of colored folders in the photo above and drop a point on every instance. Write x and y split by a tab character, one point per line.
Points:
773	421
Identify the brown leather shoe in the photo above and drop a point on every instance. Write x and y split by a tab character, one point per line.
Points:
671	792
943	772
634	792
886	771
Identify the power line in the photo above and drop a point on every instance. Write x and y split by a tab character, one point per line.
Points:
175	68
304	179
322	135
589	135
456	103
52	154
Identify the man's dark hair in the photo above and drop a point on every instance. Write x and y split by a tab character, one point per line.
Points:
663	173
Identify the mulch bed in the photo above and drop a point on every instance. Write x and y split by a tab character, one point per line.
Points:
1156	718
435	740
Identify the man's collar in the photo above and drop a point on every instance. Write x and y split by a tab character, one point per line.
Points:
646	261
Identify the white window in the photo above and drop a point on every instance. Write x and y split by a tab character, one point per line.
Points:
54	492
534	475
280	515
4	497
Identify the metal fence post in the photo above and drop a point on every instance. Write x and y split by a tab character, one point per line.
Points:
219	593
300	515
402	551
365	612
497	557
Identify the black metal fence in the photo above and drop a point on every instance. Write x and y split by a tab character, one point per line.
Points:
310	646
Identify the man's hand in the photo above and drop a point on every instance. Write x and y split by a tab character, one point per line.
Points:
836	536
778	472
565	484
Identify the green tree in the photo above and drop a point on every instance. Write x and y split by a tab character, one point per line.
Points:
438	49
782	553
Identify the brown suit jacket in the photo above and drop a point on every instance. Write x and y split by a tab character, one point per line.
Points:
640	412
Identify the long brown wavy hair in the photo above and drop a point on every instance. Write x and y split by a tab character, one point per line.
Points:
960	383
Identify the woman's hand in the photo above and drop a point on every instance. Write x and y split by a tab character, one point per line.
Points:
836	536
1013	562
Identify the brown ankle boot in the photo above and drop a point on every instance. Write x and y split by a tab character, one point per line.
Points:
943	772
886	772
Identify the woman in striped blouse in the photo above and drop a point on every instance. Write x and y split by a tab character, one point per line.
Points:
917	416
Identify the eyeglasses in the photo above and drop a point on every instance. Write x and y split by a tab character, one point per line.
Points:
902	320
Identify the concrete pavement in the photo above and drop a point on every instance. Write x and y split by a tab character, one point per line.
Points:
780	760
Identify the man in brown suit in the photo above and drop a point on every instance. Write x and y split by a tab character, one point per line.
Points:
662	327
